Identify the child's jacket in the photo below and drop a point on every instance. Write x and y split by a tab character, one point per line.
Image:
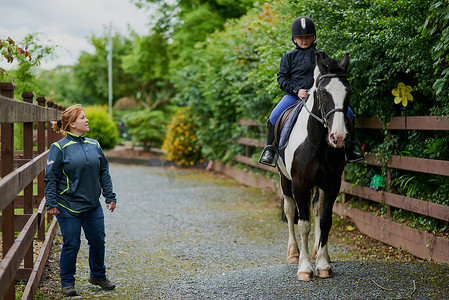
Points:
296	69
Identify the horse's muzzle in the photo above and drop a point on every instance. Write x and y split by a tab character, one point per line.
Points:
337	140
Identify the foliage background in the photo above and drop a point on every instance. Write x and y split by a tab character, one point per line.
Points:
219	58
225	69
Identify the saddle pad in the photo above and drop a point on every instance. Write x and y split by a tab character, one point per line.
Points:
288	126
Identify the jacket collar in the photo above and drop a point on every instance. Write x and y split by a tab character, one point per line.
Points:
313	46
74	137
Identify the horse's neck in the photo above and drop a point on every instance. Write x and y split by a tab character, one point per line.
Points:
314	127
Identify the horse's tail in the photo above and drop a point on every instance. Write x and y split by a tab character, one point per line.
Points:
283	217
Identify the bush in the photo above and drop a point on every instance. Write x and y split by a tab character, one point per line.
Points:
437	26
148	126
233	74
102	128
181	145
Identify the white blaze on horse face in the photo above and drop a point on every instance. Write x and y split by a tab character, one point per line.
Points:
337	133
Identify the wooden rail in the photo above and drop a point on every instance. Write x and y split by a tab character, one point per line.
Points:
422	244
19	169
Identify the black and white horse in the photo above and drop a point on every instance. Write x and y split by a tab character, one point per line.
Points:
314	160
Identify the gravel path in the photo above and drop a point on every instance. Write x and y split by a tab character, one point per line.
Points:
179	234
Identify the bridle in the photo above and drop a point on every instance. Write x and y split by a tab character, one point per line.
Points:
324	115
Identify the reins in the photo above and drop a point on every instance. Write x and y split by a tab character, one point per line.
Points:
323	120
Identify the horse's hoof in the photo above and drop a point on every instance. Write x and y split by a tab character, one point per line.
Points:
324	273
293	259
303	276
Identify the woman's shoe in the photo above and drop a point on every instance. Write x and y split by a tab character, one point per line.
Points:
69	291
105	284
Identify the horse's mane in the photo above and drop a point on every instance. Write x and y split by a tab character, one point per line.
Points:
333	66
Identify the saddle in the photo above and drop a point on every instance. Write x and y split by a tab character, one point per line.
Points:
282	130
284	124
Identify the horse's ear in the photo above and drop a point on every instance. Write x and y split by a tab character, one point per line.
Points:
345	62
319	62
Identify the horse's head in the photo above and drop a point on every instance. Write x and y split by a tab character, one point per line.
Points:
332	96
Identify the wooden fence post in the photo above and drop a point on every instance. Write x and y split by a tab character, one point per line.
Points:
28	191
49	129
7	155
40	178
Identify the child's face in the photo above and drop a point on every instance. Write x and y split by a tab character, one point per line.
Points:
304	41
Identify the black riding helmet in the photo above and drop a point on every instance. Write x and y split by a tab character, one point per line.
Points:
303	26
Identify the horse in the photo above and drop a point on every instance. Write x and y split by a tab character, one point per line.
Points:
314	159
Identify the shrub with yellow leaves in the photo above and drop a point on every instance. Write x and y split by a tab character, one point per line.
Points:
181	145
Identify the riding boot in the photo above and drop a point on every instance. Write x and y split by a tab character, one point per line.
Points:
268	152
352	147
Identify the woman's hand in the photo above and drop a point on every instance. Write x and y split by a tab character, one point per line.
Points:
111	206
53	211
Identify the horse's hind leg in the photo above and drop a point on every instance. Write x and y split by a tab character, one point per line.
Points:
323	268
292	247
290	212
318	213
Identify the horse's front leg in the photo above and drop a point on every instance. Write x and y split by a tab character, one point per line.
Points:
323	268
318	212
302	198
305	270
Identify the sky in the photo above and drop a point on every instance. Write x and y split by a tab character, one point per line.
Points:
68	24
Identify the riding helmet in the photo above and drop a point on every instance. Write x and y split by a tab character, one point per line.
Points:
303	26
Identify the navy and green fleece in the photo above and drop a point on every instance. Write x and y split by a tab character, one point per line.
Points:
77	172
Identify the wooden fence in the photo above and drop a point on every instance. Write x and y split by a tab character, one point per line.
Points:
422	244
19	171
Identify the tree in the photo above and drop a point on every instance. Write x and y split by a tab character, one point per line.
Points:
91	72
28	57
59	85
232	74
190	21
147	64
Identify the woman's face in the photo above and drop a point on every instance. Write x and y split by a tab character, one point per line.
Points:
304	41
80	126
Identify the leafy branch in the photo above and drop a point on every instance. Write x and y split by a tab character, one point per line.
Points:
10	50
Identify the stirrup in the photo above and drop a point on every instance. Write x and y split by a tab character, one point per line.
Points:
355	145
275	158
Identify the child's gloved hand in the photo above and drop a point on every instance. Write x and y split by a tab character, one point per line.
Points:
302	93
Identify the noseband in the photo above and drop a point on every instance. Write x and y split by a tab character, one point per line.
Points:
324	115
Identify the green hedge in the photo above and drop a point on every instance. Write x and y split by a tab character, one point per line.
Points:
234	71
102	127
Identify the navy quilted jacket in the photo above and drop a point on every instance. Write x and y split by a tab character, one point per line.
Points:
296	69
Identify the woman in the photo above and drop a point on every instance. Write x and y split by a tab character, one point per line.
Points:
77	171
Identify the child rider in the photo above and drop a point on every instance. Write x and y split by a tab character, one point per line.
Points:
295	78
